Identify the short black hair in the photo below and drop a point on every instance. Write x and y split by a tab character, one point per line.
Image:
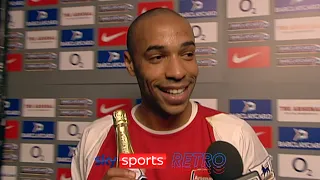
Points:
147	14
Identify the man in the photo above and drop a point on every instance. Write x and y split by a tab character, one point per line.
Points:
161	54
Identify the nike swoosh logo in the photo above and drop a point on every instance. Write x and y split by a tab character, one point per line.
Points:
11	60
63	177
105	110
238	60
8	127
259	133
106	38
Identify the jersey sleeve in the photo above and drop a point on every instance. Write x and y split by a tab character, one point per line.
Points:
254	155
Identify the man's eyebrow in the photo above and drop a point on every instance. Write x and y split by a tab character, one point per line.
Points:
188	43
155	47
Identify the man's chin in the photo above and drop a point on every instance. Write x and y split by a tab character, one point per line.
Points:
175	109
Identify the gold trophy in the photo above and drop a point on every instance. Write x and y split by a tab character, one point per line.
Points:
124	146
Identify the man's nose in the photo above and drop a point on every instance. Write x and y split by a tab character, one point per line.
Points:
175	68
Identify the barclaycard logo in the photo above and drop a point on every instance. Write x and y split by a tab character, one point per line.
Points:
37	18
114	60
248	25
36	170
63	157
42	15
76	35
77	38
37	127
115	8
300	134
249	106
248	37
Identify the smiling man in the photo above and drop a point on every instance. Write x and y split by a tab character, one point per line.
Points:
161	55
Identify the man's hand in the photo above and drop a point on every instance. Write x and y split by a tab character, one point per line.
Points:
119	174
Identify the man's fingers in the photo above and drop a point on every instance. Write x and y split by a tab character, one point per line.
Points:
118	172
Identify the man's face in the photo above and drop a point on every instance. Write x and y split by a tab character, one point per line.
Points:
165	63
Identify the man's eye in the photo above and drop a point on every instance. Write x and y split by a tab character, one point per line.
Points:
156	58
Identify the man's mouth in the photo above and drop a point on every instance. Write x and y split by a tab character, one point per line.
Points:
174	91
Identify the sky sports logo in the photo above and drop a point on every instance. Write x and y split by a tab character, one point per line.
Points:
42	17
77	38
249	109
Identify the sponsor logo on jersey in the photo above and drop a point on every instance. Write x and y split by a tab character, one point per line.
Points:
297	28
247	8
65	153
146	6
36	153
298	48
71	131
42	2
298	61
110	59
42	17
34	170
248	25
298	110
264	134
264	169
14	62
83	15
38	130
249	57
251	109
76	60
198	8
15	3
298	166
118	18
205	32
39	107
41	39
16	19
113	36
64	174
290	6
299	138
107	106
11	129
43	56
12	107
114	8
77	38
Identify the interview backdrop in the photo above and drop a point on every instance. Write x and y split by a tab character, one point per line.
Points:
258	59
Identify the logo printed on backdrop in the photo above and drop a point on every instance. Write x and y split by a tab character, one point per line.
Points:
42	17
41	39
15	36
14	62
298	110
42	2
76	60
249	57
37	153
298	61
65	153
38	108
248	37
115	8
118	18
198	9
83	15
110	59
264	134
36	170
247	8
75	107
299	138
10	146
298	49
205	32
14	46
251	109
71	131
38	130
16	19
43	56
77	38
107	106
11	129
64	174
290	6
116	36
297	28
12	107
146	6
298	166
248	25
15	3
8	172
9	157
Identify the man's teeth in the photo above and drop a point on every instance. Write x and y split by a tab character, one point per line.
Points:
175	91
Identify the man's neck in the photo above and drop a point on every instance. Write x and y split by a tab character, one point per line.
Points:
153	120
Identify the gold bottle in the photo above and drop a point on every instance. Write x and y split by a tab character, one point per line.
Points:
124	146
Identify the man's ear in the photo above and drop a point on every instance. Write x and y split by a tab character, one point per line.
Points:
128	60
